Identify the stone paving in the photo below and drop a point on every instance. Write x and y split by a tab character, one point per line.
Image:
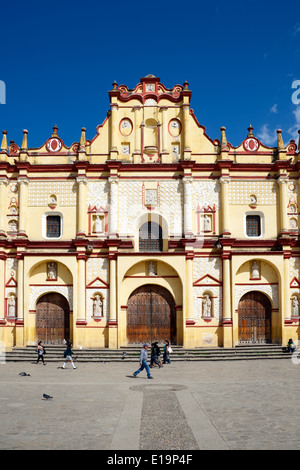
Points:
234	405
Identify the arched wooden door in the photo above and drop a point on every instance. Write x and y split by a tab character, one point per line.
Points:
255	318
151	315
53	319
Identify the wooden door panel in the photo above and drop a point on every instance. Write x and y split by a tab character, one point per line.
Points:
52	319
254	312
151	315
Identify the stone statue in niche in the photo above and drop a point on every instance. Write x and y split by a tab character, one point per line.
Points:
97	306
206	223
11	307
295	307
293	223
255	271
152	271
206	306
13	226
98	224
52	270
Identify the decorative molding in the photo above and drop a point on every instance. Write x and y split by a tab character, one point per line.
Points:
271	290
39	192
38	291
240	192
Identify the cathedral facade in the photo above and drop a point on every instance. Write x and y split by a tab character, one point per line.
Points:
150	231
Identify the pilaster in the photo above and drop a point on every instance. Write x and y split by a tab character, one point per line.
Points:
113	206
226	292
81	205
283	203
113	153
23	183
187	152
137	134
187	214
224	198
3	186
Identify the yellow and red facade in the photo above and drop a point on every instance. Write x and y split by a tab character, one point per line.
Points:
150	161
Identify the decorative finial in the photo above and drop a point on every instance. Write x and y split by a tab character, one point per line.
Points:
55	129
4	146
223	138
280	144
186	85
82	139
250	131
115	85
24	146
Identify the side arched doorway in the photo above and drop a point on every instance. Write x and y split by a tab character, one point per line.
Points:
151	315
53	319
255	318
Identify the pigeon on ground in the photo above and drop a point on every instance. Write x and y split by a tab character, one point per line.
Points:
47	397
124	354
24	374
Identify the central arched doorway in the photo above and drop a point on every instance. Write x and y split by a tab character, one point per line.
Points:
53	319
255	318
151	315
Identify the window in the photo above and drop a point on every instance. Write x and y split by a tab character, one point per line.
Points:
53	226
150	238
253	226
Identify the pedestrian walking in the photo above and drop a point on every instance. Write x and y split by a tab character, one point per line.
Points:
143	362
68	356
155	355
166	355
41	352
153	358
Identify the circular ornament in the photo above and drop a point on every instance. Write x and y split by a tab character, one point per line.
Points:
292	187
251	144
174	127
125	127
54	145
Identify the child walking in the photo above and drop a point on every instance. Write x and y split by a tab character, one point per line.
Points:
41	351
68	356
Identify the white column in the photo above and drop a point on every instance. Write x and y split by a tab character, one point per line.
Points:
224	197
113	132
164	130
113	207
186	132
187	220
81	205
283	201
112	290
3	184
23	186
81	306
20	282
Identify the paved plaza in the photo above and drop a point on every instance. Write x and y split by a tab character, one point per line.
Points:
234	405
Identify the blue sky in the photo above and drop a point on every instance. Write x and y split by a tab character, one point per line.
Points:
59	59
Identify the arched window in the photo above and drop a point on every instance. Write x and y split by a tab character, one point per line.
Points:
150	237
53	226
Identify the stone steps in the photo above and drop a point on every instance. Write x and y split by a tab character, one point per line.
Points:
131	354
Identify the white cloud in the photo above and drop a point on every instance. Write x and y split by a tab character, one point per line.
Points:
293	130
266	136
274	109
296	29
